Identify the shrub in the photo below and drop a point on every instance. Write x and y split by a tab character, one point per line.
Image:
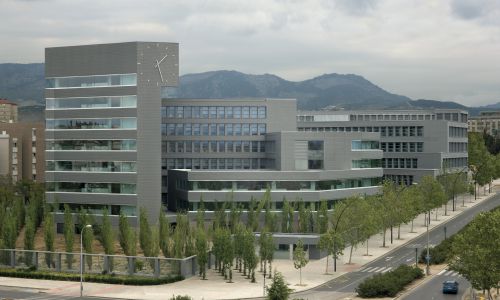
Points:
439	254
100	278
390	283
179	297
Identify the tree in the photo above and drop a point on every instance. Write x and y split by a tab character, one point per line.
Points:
88	235
477	251
432	194
29	239
299	258
479	160
322	217
326	244
278	290
200	214
69	235
48	237
201	251
145	233
107	237
125	235
249	256
267	249
164	234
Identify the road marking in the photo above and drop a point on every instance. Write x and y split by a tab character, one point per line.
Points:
388	269
367	269
409	259
377	269
442	271
448	273
388	258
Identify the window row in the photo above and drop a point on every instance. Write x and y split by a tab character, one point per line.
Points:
457	132
402	163
112	123
82	187
365	145
91	81
457	147
91	102
400	179
458	162
366	163
217	163
214	112
91	166
213	146
97	209
402	147
392	117
91	145
277	185
215	129
402	131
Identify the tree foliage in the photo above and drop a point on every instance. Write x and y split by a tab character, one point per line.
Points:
299	258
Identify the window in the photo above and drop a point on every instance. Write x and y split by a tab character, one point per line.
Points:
315	164
112	123
91	81
220	112
262	129
91	102
245	129
213	112
229	112
262	112
213	129
253	129
253	112
315	145
187	112
245	112
204	112
237	112
229	129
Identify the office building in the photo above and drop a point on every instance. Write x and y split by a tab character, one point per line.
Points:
8	111
220	148
22	153
103	116
415	142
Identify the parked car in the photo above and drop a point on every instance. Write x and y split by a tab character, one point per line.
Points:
450	287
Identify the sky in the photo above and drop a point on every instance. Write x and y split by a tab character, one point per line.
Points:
423	49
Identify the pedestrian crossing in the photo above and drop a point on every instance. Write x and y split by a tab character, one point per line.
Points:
376	269
449	273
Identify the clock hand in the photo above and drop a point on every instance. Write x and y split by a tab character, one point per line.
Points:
159	62
159	70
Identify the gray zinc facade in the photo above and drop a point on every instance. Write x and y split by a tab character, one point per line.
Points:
103	110
415	142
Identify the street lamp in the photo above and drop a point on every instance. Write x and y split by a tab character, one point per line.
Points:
81	258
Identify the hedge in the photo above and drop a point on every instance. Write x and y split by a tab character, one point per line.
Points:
100	278
439	254
390	283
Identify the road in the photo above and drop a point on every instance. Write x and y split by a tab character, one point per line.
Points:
9	293
345	285
432	289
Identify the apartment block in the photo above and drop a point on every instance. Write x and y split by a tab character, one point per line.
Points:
487	121
22	154
8	111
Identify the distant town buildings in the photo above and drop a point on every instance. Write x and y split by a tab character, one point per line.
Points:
8	111
487	121
22	151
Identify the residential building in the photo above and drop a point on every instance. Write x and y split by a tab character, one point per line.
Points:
415	142
8	111
487	121
22	154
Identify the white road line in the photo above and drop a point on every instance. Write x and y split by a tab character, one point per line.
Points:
368	269
442	272
448	273
377	269
388	269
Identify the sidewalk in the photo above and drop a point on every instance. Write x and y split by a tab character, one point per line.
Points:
217	288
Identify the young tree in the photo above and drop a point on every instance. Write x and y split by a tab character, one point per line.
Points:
107	237
145	233
299	258
69	235
200	214
202	251
164	234
326	244
322	218
49	237
432	194
252	221
126	236
285	219
477	252
29	239
278	290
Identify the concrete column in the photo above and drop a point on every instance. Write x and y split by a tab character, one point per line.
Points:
58	262
106	264
13	258
290	250
131	265
35	260
157	268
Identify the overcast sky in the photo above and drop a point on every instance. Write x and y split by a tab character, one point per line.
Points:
432	49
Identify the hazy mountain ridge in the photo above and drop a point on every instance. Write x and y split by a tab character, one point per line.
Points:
24	83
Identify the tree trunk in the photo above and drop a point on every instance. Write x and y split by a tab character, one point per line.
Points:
367	246
270	270
411	231
399	231
326	270
350	254
300	274
383	243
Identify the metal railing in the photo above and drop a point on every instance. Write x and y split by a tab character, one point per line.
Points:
98	263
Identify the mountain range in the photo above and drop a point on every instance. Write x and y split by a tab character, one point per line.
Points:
24	83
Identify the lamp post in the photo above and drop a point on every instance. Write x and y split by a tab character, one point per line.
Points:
81	258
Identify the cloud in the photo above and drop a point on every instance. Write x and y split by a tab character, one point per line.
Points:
437	49
485	11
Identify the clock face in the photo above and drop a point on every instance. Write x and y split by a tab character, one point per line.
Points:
159	64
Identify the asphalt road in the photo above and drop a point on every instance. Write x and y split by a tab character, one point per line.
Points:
345	285
8	293
432	289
